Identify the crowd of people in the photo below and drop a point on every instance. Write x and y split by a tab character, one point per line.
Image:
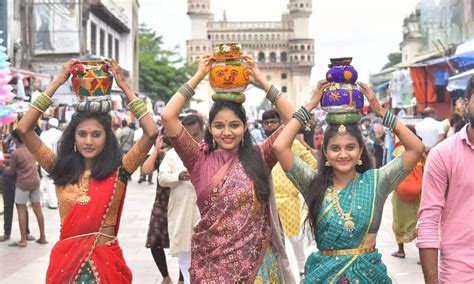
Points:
230	195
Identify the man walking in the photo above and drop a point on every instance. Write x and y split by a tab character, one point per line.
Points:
445	221
183	212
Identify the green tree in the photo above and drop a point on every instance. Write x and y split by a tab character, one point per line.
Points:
393	59
162	71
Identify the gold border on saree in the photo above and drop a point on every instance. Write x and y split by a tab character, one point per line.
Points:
356	251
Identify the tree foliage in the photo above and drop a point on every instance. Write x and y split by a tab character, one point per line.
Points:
393	59
162	71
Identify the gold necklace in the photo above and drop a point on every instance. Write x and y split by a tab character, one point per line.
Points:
349	224
83	198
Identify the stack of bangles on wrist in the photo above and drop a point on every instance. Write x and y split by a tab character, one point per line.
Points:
302	115
186	91
389	120
42	102
138	108
273	95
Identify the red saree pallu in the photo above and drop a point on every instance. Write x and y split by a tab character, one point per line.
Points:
230	240
77	244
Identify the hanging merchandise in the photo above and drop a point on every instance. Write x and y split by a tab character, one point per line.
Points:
20	87
401	89
7	113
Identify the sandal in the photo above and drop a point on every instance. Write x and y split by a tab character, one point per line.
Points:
16	244
4	238
398	254
41	242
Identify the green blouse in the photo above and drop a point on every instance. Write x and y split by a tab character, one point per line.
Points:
390	176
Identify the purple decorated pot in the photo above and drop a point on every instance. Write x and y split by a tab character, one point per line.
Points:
343	95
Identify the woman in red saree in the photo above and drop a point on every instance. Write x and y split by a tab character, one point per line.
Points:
239	238
91	178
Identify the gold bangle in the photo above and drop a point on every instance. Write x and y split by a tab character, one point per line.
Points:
42	102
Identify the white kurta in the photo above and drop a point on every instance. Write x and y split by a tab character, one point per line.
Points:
183	213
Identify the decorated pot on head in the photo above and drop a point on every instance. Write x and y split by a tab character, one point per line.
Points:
92	82
229	77
342	100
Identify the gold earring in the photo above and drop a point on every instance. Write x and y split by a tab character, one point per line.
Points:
214	144
359	162
75	147
327	164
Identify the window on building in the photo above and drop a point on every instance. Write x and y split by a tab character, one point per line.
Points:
302	47
191	48
93	38
110	45
309	47
198	48
208	36
283	89
102	42
273	57
117	50
283	57
284	75
261	57
302	57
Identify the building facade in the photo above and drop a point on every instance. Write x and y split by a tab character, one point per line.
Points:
46	33
284	49
412	42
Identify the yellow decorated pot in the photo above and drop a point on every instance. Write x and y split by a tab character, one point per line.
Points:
229	76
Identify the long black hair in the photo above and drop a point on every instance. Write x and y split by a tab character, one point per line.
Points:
249	154
70	164
323	178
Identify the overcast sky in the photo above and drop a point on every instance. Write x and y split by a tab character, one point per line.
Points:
367	30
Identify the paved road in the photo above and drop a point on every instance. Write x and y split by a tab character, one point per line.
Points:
28	265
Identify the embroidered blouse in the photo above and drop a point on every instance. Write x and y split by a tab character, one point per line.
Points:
67	194
390	175
203	165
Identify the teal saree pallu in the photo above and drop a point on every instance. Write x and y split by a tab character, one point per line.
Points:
359	199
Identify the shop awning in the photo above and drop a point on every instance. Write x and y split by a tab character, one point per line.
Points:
463	60
459	81
382	87
419	58
28	73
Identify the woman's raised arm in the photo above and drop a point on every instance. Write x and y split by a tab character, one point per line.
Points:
175	105
414	148
150	130
41	104
282	146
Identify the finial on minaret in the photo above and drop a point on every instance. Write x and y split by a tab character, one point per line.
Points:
224	16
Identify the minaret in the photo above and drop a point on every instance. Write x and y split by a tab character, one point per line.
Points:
301	50
200	44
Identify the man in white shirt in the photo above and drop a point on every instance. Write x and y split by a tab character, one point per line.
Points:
50	137
429	129
183	212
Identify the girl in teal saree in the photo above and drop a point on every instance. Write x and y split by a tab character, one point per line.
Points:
345	196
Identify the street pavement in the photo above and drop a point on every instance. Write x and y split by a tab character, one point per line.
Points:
28	265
